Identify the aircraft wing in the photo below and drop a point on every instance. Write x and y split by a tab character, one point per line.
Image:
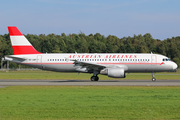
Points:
88	66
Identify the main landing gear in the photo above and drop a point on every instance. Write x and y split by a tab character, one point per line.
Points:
94	78
153	78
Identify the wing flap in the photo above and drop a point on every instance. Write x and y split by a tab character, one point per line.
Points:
88	66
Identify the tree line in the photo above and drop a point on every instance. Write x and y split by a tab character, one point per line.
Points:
96	43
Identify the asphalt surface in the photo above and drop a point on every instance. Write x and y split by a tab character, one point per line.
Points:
5	83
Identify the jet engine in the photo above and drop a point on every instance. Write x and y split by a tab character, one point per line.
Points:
116	73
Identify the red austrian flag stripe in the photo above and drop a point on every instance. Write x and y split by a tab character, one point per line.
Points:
24	50
13	31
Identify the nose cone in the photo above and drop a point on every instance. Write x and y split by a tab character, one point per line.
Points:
174	66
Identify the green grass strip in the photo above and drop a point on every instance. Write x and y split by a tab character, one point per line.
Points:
82	76
89	103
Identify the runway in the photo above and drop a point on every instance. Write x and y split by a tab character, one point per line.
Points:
4	83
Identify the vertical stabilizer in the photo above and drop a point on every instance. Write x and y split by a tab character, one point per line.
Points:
19	43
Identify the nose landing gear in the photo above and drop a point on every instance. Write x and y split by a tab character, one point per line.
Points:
153	78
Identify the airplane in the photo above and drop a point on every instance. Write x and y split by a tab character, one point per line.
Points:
114	65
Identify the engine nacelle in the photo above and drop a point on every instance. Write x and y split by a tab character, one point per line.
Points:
116	73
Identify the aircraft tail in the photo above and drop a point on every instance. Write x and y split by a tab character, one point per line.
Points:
19	42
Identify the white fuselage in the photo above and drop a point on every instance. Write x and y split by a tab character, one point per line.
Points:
130	62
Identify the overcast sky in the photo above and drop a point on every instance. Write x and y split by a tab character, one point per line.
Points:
122	18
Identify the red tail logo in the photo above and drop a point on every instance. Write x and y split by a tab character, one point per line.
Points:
20	44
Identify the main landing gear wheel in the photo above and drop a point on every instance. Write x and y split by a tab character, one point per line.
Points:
94	78
153	79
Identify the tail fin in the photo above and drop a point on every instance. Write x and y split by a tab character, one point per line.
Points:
19	43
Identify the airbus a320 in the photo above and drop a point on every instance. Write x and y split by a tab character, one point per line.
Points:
114	65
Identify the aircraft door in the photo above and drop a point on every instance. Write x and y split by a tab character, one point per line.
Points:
39	60
153	59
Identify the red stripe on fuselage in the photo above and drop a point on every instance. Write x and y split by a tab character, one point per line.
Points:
13	31
102	63
19	50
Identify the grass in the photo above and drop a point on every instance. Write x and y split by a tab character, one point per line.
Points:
82	76
89	103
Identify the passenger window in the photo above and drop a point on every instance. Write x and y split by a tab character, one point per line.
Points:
109	59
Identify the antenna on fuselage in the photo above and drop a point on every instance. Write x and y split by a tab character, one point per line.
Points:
76	54
151	53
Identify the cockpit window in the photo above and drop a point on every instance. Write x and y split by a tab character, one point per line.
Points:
166	59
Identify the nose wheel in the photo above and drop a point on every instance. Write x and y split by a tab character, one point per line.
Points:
94	78
153	78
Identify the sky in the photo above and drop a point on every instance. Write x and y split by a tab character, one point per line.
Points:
122	18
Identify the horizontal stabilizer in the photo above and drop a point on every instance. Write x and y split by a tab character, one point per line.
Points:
13	58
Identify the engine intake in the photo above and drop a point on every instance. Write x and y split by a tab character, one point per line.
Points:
116	73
